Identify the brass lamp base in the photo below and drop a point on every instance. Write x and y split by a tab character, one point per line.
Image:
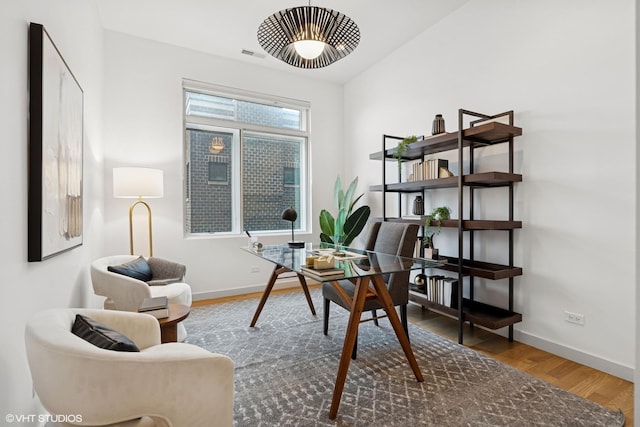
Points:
146	205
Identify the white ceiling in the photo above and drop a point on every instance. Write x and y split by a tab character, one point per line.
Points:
226	27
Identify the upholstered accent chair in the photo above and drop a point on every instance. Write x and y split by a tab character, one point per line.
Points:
385	237
174	384
125	293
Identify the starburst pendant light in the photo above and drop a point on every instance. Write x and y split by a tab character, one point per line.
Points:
308	36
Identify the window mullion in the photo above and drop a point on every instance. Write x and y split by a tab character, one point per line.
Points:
238	192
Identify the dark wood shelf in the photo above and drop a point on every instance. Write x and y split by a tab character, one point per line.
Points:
416	186
491	179
485	179
466	224
482	269
491	133
475	312
490	225
485	134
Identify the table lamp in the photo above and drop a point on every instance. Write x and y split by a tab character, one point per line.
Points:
137	183
291	215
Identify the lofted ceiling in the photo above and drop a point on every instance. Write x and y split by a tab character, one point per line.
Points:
227	27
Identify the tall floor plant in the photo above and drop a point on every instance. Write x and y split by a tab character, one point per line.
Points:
347	224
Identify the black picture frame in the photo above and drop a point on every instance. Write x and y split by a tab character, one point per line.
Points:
56	105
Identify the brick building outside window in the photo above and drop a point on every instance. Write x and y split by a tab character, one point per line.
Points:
245	161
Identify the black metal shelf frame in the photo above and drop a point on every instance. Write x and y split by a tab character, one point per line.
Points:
465	139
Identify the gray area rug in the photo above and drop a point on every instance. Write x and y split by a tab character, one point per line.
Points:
285	371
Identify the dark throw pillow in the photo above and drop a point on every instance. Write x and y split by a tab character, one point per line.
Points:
138	269
101	335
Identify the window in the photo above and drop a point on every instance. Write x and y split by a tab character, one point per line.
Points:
245	161
218	173
291	176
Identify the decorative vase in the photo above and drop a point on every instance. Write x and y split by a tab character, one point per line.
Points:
418	206
438	125
338	245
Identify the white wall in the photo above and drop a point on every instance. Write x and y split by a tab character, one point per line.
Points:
636	388
567	70
63	280
144	126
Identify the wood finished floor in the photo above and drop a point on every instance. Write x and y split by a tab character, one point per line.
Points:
597	386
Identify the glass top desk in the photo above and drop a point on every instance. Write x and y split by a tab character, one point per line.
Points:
365	269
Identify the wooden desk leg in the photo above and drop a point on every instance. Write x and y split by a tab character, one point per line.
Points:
387	303
277	270
349	341
305	288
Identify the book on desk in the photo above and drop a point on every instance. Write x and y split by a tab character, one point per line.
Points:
155	306
324	273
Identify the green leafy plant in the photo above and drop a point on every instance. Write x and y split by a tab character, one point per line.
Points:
347	224
437	215
401	149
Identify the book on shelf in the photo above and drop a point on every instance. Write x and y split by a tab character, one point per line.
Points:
429	169
417	250
440	290
155	306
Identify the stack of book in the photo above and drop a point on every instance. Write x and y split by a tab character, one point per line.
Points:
440	290
429	169
156	306
324	273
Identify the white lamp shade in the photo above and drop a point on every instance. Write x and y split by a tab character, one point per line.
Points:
138	182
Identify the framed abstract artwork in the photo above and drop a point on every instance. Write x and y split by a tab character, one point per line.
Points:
55	150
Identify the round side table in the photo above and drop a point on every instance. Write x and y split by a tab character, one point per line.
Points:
169	325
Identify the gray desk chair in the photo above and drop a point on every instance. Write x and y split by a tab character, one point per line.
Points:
389	238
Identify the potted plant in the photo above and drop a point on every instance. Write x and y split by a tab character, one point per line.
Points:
401	149
437	215
348	223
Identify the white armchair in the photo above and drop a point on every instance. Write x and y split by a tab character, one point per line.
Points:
125	293
170	385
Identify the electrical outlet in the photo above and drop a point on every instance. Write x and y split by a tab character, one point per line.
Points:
576	318
255	269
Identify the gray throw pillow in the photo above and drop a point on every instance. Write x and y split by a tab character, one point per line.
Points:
138	269
100	335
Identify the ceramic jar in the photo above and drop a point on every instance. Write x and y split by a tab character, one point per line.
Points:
438	125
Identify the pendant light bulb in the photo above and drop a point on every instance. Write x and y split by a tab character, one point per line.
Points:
309	49
309	44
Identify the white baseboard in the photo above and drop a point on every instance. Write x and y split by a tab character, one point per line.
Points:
283	283
578	356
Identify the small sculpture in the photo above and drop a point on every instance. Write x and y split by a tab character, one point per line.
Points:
418	206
